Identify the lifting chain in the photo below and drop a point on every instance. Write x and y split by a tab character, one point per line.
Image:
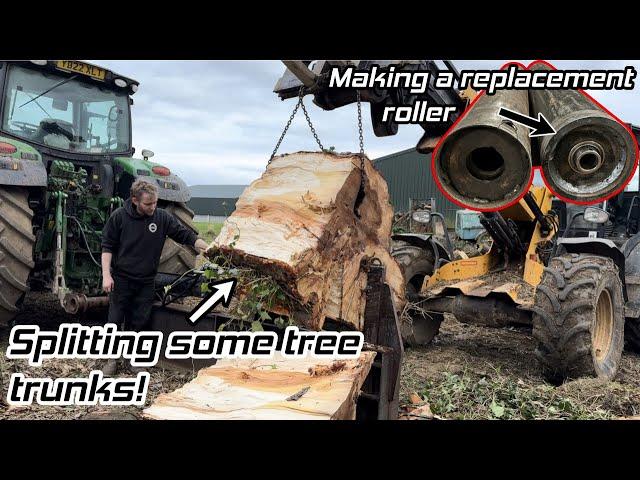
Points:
315	135
293	114
361	138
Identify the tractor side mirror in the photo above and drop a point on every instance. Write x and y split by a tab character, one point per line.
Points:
595	215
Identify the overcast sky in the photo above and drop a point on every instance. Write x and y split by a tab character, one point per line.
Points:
216	122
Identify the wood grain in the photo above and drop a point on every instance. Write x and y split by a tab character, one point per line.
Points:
258	389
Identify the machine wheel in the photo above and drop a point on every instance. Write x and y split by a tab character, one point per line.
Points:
578	318
16	249
416	263
176	258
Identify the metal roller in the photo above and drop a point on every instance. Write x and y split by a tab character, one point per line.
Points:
591	154
485	161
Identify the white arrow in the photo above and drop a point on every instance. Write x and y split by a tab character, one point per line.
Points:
222	293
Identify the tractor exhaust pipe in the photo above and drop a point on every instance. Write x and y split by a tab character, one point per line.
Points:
75	303
591	154
485	161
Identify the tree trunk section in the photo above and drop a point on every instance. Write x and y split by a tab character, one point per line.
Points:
305	223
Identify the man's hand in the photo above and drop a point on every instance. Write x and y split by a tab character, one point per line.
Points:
107	279
201	245
107	283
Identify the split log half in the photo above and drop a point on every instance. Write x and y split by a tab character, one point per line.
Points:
271	389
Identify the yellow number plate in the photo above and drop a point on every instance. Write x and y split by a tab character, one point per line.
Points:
82	68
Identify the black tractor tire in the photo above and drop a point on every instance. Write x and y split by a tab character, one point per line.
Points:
420	328
578	318
16	250
176	258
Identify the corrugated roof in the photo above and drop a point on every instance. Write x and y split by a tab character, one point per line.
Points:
217	191
396	154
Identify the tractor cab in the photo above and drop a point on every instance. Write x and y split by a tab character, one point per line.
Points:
66	160
66	107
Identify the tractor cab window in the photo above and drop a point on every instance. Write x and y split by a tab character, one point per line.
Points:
51	110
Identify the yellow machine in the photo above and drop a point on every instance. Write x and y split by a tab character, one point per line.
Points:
497	272
570	290
579	292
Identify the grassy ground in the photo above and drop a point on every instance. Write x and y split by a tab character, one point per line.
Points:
208	231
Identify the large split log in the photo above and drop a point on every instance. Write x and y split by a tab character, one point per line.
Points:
305	223
279	388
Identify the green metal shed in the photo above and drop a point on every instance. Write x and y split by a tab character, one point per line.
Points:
408	174
214	202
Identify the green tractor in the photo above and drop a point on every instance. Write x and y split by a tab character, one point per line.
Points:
66	162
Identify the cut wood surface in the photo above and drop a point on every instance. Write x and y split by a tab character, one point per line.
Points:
268	389
300	224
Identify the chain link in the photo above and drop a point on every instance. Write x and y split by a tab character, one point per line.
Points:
360	134
313	130
361	138
284	132
286	127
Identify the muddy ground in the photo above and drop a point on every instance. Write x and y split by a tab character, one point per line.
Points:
468	372
45	310
473	372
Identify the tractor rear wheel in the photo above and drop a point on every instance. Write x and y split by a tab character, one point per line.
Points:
417	327
16	249
578	318
176	258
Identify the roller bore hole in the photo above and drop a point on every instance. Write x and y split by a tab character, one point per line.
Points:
589	161
586	157
485	163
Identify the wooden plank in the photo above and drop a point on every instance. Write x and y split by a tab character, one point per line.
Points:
258	389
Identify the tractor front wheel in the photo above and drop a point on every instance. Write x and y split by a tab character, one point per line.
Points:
417	327
578	318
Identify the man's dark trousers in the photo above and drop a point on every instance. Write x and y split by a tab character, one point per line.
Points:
130	303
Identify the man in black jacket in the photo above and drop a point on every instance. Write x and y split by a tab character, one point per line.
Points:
132	241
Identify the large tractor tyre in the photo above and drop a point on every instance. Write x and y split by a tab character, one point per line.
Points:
416	263
578	318
176	258
16	250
